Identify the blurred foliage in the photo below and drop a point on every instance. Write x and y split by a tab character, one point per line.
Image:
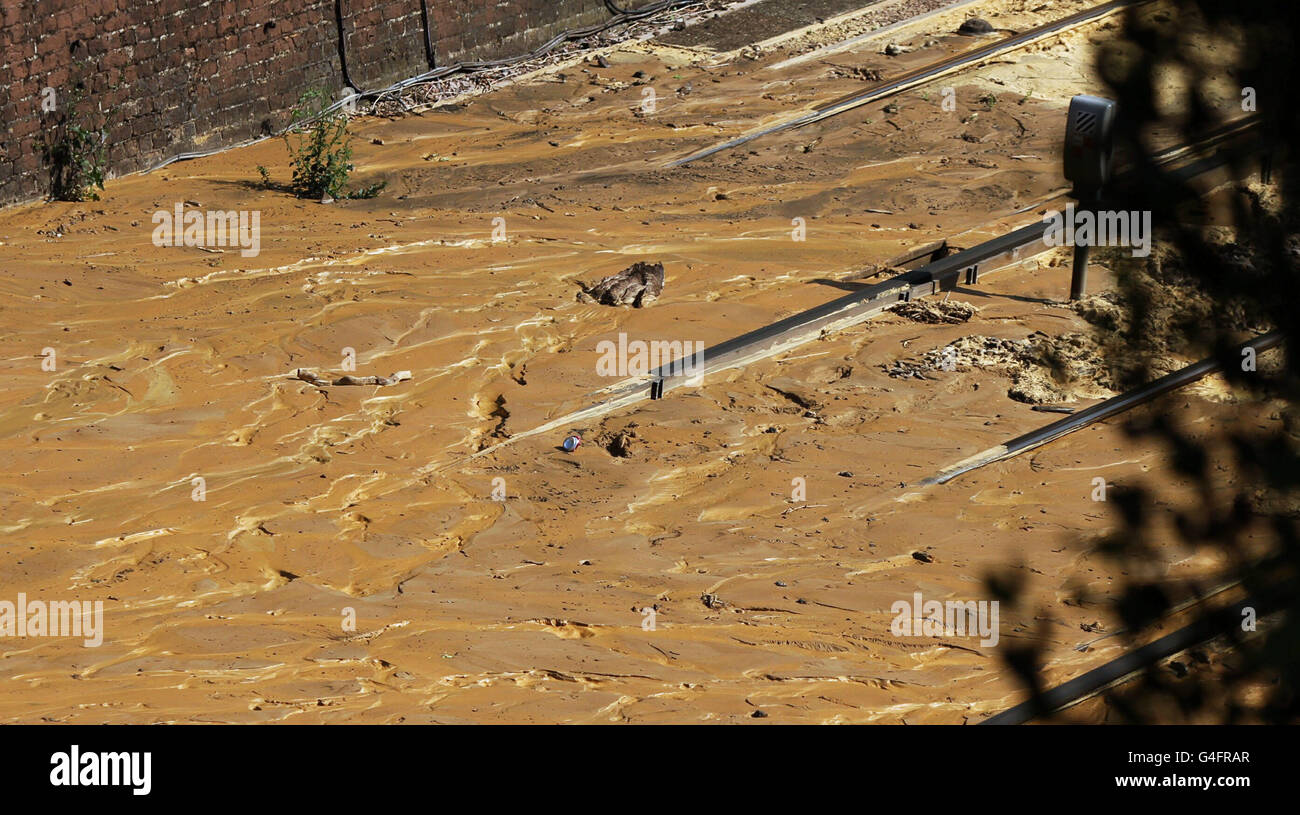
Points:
1223	274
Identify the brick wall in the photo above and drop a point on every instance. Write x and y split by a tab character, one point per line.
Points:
181	75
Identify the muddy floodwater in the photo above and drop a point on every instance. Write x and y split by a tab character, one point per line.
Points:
272	549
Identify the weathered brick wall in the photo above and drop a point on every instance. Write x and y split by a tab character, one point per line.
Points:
490	29
181	75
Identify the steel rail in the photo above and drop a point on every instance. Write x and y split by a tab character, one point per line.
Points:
936	276
914	78
848	310
800	328
1128	665
845	45
1103	410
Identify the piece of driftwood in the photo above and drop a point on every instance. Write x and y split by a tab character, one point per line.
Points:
1052	409
320	381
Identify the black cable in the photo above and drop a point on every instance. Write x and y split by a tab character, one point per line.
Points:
343	49
429	52
650	9
544	49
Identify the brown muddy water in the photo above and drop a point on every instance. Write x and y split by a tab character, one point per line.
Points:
269	550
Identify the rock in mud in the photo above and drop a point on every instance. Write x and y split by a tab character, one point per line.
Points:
622	443
856	72
637	285
975	25
906	369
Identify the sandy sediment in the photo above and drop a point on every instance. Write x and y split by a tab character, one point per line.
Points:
763	522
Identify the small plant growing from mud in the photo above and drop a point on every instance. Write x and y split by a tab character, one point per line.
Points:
75	151
320	151
988	100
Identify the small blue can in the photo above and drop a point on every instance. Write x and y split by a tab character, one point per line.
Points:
572	442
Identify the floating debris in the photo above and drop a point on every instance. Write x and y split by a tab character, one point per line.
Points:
935	311
1043	369
1052	409
637	285
320	381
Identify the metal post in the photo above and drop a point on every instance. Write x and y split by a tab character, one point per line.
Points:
1079	277
1089	136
